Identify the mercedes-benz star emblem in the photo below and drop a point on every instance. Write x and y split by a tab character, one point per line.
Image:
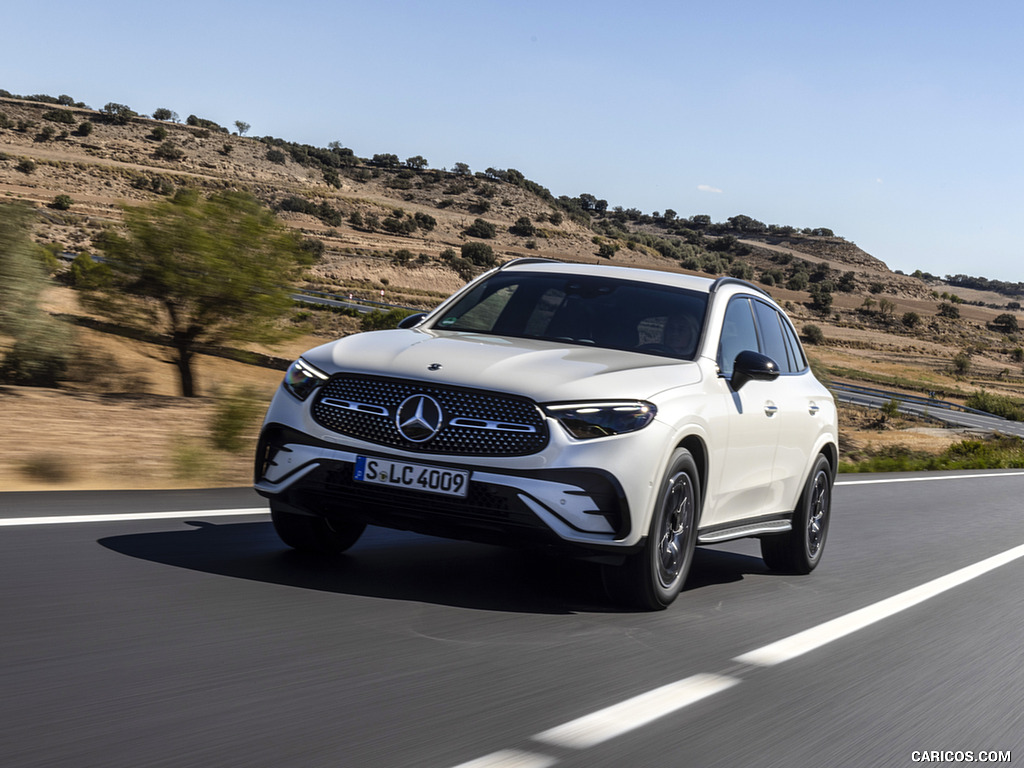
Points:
418	418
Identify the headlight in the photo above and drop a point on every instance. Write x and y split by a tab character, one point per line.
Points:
590	420
302	379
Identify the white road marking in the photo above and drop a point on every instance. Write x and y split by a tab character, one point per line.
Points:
110	518
815	637
598	727
510	758
881	480
618	719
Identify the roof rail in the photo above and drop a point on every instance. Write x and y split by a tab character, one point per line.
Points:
736	281
530	260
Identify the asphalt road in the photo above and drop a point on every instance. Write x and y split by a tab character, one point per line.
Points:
975	421
199	640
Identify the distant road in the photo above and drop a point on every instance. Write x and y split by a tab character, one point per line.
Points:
942	411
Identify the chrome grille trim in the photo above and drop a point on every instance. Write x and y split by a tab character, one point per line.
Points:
349	405
475	422
495	425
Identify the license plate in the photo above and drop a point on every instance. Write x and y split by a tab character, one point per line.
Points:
416	477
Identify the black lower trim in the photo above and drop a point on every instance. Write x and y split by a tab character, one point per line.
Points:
490	513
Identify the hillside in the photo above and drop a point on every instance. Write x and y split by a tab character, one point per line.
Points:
392	230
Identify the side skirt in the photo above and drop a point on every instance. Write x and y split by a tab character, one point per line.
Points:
744	529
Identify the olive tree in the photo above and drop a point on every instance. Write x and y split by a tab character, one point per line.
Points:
200	271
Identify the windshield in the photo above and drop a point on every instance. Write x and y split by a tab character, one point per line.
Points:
593	311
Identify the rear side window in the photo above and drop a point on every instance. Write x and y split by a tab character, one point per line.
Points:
793	344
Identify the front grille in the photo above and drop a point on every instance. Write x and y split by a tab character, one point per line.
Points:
472	422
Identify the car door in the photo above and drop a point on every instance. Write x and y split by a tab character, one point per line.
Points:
746	455
799	399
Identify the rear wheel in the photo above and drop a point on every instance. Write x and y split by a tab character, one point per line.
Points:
315	534
652	578
799	551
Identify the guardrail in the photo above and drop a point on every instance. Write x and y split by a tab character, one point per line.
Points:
349	299
929	402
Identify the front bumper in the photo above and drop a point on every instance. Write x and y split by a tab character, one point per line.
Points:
586	507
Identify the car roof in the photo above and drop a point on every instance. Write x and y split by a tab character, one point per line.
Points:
637	274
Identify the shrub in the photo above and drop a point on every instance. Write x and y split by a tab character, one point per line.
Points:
26	166
159	133
234	420
797	282
61	202
276	156
377	320
169	151
425	221
199	122
39	353
480	254
890	409
84	129
949	311
523	227
60	116
118	114
463	267
961	363
1000	405
911	319
162	113
85	273
1005	323
813	334
482	229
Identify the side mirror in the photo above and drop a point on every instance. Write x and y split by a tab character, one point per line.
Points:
412	320
753	366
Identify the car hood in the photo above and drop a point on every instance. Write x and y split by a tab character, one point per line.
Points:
542	370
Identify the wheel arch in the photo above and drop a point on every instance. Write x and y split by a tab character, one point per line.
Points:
699	450
831	454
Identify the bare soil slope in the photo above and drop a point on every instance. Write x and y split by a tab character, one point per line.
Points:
119	422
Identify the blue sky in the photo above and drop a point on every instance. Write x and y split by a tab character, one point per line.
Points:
899	125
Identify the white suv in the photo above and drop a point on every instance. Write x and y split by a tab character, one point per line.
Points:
625	414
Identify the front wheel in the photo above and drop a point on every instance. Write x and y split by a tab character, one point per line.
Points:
652	578
314	534
799	551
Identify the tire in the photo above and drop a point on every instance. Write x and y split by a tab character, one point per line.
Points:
652	578
315	534
799	550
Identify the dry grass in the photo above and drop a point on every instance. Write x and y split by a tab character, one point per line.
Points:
120	423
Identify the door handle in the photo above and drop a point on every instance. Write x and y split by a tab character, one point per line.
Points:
813	408
770	408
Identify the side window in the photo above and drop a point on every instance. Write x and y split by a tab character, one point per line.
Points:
797	352
738	334
773	343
